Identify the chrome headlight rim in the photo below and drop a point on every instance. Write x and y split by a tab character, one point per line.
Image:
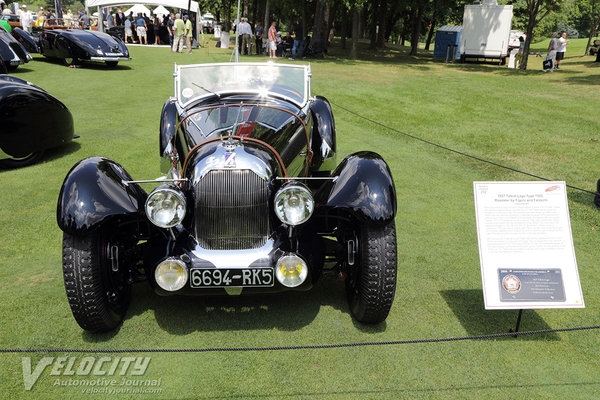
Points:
302	189
172	190
170	263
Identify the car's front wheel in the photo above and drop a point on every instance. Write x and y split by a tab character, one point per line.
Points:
18	162
371	282
98	295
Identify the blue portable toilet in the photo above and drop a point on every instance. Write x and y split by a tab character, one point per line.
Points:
447	35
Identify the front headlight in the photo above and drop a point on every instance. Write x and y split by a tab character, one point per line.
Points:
294	204
165	207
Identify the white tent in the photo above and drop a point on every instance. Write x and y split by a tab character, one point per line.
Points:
160	11
138	8
183	4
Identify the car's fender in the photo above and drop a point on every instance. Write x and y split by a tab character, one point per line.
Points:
26	40
169	119
95	191
32	119
363	189
323	143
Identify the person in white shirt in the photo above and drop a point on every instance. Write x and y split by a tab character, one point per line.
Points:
562	48
245	30
26	19
5	9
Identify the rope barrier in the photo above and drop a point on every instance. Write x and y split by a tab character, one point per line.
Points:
304	347
459	152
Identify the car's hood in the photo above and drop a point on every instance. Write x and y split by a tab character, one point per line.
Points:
9	47
93	41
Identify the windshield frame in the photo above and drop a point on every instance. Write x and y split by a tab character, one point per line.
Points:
192	100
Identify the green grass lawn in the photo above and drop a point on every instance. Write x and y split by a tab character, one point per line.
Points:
547	124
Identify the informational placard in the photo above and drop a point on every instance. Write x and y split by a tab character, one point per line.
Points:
525	246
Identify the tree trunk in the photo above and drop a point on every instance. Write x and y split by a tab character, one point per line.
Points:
525	55
344	30
414	40
431	28
381	36
405	26
245	8
374	14
320	32
267	23
355	23
593	28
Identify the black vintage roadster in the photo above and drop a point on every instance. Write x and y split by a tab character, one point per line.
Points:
31	121
74	46
12	53
252	202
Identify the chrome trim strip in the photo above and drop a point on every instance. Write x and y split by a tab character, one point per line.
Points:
302	178
110	58
155	181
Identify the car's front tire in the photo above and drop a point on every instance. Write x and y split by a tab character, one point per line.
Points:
18	162
371	283
98	296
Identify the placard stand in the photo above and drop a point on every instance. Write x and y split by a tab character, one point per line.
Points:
511	330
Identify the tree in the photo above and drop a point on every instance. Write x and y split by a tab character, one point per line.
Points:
595	23
536	10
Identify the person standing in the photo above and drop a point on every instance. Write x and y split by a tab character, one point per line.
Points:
188	33
120	18
140	28
272	43
85	19
562	48
156	23
128	31
246	33
552	47
26	19
298	40
178	34
258	37
169	22
110	21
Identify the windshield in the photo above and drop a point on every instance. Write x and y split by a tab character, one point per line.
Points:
193	82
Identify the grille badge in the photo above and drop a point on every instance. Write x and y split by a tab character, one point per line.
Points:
229	160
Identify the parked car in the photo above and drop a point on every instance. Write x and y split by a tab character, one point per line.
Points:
12	53
252	202
74	46
31	122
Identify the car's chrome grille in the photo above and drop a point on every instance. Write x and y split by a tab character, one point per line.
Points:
232	210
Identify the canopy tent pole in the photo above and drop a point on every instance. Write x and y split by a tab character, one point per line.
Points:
236	51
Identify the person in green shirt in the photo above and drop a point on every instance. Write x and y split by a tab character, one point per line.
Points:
179	34
188	33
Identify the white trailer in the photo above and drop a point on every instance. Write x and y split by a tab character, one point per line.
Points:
486	31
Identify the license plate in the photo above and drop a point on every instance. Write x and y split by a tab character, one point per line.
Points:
226	277
113	54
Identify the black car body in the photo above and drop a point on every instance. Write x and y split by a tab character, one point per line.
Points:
252	202
31	121
12	53
77	45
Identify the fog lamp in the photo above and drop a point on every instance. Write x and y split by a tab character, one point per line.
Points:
294	204
291	270
171	274
165	207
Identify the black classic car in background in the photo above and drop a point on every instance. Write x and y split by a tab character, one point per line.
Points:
74	46
31	121
252	202
12	53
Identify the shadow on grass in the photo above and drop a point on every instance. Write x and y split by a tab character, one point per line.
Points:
84	64
181	315
470	311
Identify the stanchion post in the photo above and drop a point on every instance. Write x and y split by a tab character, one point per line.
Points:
518	323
